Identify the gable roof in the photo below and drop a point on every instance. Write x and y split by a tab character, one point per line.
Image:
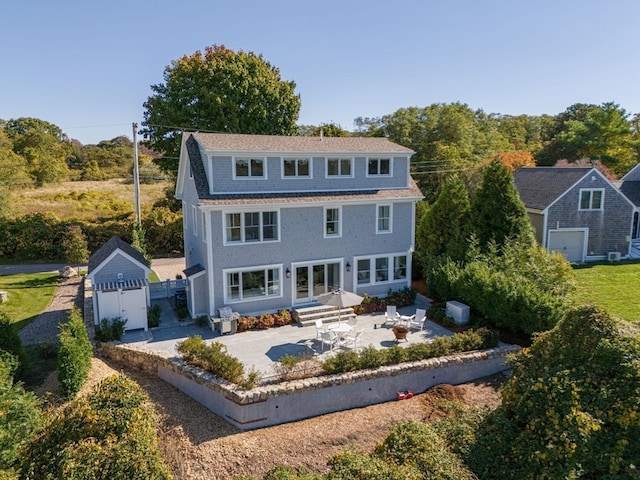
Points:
231	142
631	190
632	175
113	244
225	199
539	187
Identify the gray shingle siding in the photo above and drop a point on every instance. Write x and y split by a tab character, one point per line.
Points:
608	228
119	264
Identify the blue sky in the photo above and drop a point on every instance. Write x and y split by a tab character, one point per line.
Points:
87	65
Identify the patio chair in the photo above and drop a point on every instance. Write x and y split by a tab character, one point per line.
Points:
352	322
319	328
390	316
327	337
354	339
417	320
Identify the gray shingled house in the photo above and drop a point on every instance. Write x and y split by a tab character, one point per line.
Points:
577	212
119	277
630	186
272	222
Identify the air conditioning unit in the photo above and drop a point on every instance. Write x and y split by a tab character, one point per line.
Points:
613	256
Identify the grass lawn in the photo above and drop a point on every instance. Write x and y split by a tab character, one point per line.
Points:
612	286
29	295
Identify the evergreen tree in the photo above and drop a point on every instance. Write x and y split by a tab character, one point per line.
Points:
74	244
444	228
139	242
497	213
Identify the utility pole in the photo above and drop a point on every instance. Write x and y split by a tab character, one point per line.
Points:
136	176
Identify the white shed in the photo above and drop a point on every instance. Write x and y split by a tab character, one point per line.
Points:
119	275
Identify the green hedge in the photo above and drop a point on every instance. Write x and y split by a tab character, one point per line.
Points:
109	433
74	354
10	342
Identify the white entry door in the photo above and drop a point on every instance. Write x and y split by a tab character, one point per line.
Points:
569	243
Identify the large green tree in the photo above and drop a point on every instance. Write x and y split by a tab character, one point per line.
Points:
219	91
497	213
43	146
444	228
445	137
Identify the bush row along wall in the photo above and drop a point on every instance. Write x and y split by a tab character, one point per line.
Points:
289	401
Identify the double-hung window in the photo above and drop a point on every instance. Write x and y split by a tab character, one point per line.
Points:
591	198
379	166
383	219
249	168
253	283
249	227
339	167
296	167
332	222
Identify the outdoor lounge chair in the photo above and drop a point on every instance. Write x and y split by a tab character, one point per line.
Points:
390	316
417	320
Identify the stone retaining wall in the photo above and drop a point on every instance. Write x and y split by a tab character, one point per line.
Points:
289	401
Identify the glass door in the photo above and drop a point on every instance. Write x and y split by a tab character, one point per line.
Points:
315	279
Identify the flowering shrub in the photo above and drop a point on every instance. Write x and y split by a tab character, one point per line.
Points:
264	321
399	298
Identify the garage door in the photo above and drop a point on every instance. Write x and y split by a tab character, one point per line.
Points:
569	243
126	304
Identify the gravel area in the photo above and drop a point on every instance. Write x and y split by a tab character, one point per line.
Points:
199	445
45	328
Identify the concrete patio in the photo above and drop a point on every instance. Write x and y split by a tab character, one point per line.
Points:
261	349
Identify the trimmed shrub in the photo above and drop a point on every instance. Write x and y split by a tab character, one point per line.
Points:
352	465
74	354
110	329
109	433
418	445
215	359
153	315
10	342
287	473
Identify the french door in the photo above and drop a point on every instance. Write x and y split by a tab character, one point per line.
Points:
314	279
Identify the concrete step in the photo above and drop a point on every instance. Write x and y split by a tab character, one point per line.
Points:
308	315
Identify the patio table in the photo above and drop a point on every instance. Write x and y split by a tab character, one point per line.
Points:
340	329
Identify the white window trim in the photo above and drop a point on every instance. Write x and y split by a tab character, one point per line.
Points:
390	205
296	176
372	269
351	167
250	177
204	226
591	190
194	219
324	222
378	175
242	227
225	284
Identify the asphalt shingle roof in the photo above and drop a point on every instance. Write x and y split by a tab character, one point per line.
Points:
293	144
540	186
631	189
287	145
111	246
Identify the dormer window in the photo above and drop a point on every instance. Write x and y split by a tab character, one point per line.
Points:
339	167
249	168
296	167
379	167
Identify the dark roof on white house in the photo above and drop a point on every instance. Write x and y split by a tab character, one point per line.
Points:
193	269
226	199
539	187
113	244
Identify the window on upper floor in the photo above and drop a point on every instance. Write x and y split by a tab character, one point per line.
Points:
383	219
296	167
249	168
339	167
194	219
252	284
591	198
332	222
250	227
379	166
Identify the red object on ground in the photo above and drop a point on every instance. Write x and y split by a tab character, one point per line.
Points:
401	396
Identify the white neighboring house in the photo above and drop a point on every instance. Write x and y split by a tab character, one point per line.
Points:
119	277
272	222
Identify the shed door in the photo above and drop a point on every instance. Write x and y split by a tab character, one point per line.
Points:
126	304
569	243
